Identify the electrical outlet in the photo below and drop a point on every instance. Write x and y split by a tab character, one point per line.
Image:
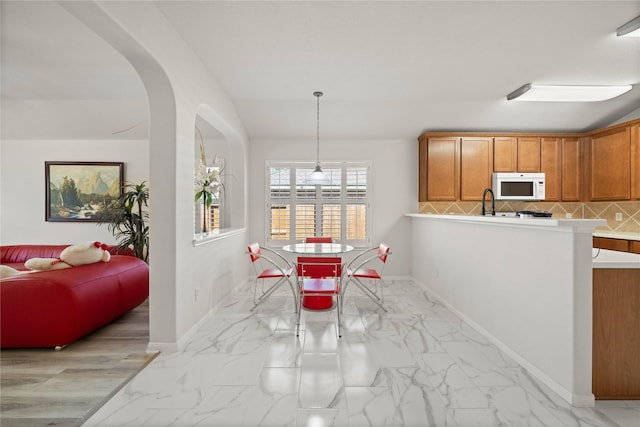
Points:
569	215
197	293
618	216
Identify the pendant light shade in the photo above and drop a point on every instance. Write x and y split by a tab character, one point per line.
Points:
318	177
630	29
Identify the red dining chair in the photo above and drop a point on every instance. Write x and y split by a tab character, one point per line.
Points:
362	271
319	279
266	268
317	302
318	239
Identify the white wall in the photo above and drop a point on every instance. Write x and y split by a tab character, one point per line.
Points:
179	88
631	116
525	284
22	186
394	186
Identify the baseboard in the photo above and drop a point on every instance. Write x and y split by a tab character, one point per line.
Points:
162	347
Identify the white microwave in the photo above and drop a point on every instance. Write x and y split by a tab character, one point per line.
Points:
518	186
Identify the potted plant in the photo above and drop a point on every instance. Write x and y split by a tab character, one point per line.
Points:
127	218
208	185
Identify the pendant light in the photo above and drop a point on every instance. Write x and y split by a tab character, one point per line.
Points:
318	177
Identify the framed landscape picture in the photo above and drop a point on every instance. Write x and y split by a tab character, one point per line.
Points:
79	191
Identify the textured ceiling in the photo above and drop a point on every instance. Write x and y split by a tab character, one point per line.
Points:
389	70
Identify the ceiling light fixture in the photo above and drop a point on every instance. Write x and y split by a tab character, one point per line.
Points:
318	177
630	29
573	93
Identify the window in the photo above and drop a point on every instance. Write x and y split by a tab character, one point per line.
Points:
340	210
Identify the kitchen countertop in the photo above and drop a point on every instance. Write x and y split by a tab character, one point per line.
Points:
614	259
617	235
515	221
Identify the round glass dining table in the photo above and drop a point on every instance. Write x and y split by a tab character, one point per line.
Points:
317	303
317	248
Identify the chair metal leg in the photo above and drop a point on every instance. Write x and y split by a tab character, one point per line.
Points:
258	300
339	310
368	292
299	304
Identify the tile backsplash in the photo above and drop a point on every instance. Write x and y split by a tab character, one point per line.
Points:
628	220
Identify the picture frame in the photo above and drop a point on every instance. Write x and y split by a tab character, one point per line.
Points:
79	191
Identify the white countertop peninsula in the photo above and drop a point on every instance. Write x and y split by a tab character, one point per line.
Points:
526	283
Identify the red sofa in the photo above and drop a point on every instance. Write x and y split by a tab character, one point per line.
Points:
55	308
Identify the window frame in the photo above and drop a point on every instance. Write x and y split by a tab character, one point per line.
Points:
292	201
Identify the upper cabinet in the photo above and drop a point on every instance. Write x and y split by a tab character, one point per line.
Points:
599	165
551	165
635	162
476	167
610	165
439	168
505	154
571	167
528	154
512	154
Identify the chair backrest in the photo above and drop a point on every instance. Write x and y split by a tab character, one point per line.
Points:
254	251
383	252
317	267
318	239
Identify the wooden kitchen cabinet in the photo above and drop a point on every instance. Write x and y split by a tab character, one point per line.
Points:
610	165
571	175
528	154
634	246
602	165
615	361
620	245
635	161
505	154
551	165
476	167
439	161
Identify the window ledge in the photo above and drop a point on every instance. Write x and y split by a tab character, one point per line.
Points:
200	240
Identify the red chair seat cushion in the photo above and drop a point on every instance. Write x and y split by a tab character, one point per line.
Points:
366	273
319	286
272	273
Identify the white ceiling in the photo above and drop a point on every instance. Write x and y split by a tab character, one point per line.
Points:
389	70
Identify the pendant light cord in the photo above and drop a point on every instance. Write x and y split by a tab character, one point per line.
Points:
317	95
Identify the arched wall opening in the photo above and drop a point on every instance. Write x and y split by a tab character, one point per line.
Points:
176	84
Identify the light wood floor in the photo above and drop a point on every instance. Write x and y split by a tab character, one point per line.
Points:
43	387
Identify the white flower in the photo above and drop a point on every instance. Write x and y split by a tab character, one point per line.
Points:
207	179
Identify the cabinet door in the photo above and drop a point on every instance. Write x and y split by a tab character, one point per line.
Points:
505	154
442	169
634	246
615	362
571	176
528	154
423	144
476	166
551	165
610	165
635	162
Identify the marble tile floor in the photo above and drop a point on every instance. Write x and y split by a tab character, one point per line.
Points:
417	365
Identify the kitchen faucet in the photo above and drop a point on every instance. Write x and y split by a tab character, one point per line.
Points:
493	201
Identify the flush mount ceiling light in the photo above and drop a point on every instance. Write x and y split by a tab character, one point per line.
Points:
630	29
318	177
573	93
